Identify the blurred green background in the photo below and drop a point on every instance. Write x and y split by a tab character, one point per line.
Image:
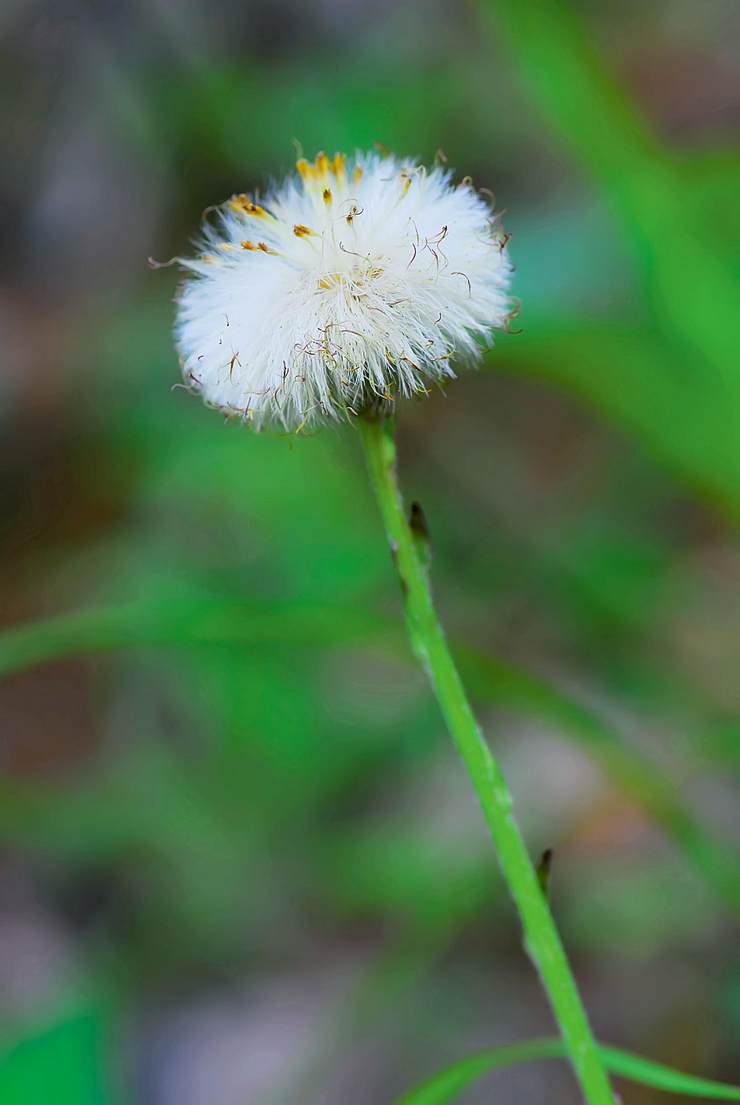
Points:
240	862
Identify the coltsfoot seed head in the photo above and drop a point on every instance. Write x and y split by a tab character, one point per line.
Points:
351	282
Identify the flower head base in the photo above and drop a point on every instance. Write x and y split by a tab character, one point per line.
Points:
352	281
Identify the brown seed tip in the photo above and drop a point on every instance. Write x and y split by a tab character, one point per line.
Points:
543	869
418	521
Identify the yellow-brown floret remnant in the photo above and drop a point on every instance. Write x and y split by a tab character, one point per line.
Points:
320	172
244	206
254	246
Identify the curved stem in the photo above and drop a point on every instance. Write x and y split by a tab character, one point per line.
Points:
541	936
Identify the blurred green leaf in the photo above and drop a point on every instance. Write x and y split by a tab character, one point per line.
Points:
637	378
686	396
201	620
444	1086
60	1064
172	620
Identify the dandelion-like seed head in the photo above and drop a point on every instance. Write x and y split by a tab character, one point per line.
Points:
351	282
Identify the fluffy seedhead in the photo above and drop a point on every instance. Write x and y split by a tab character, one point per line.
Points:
353	282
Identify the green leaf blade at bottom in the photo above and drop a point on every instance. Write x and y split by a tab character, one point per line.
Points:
442	1087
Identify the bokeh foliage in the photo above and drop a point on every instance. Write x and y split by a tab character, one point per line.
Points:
262	778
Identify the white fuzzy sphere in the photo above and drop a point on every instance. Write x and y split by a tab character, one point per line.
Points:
352	280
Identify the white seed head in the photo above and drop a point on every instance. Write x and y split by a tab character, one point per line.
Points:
350	282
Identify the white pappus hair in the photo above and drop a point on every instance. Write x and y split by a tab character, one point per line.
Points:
352	281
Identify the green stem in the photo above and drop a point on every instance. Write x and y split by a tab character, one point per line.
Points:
541	936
